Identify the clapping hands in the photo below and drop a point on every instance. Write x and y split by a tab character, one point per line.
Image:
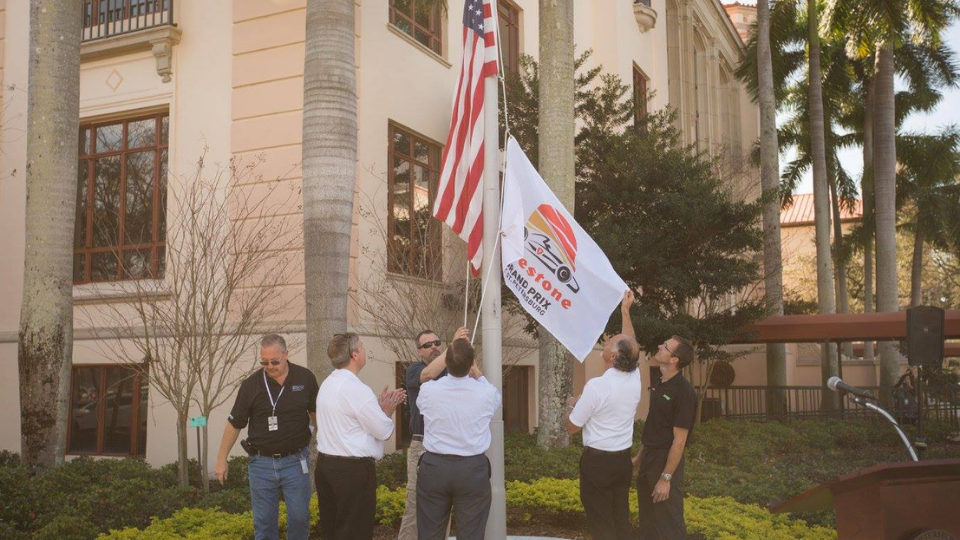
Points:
391	399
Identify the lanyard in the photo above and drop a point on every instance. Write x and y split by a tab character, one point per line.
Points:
272	402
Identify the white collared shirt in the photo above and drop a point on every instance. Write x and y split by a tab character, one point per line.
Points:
607	410
350	421
456	414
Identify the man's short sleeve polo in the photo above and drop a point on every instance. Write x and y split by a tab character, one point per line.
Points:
240	414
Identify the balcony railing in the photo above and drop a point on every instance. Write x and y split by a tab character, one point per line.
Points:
106	18
750	403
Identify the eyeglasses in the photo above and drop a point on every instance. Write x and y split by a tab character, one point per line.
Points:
664	345
270	363
428	344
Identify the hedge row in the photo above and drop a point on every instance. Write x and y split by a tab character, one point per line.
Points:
542	501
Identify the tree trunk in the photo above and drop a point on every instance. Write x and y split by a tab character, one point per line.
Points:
45	346
841	267
183	459
884	174
770	182
866	192
557	158
329	171
826	301
916	269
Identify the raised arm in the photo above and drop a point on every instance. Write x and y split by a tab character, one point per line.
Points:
627	322
436	367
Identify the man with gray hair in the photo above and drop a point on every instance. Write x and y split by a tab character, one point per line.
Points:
353	424
277	405
606	412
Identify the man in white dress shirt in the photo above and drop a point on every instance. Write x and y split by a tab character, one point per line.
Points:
606	411
454	472
352	424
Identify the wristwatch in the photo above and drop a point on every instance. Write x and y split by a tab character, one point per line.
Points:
666	476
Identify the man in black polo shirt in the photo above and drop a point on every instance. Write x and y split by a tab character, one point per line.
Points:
279	403
430	367
673	406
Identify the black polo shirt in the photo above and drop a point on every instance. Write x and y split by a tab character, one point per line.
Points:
253	407
673	403
413	391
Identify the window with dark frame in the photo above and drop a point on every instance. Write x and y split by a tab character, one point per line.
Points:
639	95
414	236
420	21
120	229
516	398
108	411
508	16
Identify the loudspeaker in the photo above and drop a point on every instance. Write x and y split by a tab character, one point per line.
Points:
925	336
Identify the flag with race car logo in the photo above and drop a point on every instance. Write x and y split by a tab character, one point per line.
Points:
558	273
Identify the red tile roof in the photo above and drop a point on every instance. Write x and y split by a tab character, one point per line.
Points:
801	211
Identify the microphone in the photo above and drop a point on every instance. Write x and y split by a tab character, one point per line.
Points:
837	385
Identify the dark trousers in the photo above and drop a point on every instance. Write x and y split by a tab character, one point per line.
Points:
347	497
462	483
605	493
663	520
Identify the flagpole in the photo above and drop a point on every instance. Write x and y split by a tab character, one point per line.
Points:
490	309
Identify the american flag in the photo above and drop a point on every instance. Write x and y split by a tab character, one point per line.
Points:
459	199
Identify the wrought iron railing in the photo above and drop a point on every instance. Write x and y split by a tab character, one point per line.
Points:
795	402
106	18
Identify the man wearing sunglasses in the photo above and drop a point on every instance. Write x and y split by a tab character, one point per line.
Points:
673	406
432	366
277	405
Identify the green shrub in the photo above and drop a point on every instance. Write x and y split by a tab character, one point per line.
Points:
67	527
392	470
191	524
390	505
712	518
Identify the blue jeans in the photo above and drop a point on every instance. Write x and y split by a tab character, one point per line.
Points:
268	477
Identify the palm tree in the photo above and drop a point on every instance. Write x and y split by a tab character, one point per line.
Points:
329	171
826	298
882	26
45	346
557	166
770	183
929	168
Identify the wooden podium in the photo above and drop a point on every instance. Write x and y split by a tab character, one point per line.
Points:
892	501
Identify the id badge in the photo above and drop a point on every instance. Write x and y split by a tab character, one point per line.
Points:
272	423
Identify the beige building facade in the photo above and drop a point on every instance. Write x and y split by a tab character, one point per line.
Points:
165	82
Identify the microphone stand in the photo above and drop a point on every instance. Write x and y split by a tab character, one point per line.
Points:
885	414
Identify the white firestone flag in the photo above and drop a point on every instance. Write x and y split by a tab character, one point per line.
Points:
558	272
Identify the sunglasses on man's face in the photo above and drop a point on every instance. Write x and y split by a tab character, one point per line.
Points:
270	363
428	344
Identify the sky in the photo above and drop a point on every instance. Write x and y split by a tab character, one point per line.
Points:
946	113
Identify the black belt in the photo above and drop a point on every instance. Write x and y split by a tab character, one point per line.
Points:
277	455
591	450
345	457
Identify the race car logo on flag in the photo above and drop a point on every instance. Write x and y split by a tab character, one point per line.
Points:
559	274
